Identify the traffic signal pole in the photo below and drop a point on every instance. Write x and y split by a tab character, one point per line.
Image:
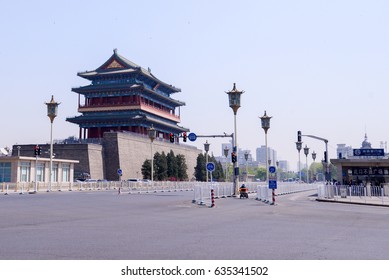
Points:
235	152
328	176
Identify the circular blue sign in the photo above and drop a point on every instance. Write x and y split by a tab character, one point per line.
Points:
120	172
210	166
192	136
272	169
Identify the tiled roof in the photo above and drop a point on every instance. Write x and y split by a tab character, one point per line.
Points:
124	66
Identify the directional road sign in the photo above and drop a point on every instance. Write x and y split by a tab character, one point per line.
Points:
192	136
272	169
273	184
210	166
120	172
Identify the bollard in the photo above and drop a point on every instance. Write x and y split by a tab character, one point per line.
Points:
212	198
6	193
194	194
201	196
382	194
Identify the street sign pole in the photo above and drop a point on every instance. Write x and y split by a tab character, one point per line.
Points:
211	168
273	183
120	173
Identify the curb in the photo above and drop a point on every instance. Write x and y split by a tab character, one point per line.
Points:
348	202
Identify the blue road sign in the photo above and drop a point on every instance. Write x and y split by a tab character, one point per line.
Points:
120	172
210	166
272	169
192	136
273	184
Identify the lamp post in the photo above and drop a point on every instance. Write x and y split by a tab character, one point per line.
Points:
246	157
52	112
206	148
314	158
306	152
234	102
265	122
152	135
226	155
298	147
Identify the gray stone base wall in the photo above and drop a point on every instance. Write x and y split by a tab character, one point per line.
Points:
128	152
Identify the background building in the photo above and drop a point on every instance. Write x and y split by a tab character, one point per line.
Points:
261	155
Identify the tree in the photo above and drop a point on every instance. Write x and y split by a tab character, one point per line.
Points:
160	169
146	169
261	173
218	173
166	167
172	166
200	168
181	168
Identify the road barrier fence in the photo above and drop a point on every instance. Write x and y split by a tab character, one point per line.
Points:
355	194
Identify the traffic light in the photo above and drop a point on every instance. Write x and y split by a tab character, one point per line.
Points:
37	150
184	136
233	157
299	136
171	137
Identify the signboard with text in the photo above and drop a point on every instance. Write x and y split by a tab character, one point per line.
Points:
368	152
370	171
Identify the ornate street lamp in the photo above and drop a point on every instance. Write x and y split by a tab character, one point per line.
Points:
226	150
52	112
265	122
152	135
299	145
246	157
234	101
314	169
206	148
306	152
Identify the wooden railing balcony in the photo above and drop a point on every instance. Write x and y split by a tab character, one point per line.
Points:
128	106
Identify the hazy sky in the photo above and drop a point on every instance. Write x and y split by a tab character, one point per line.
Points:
321	67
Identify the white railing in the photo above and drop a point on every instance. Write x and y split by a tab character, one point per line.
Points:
265	194
202	190
354	194
124	186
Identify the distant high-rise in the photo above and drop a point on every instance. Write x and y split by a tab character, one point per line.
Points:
261	155
283	165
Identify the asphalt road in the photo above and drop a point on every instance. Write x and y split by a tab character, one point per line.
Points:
168	226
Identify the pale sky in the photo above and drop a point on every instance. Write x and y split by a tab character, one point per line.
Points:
321	67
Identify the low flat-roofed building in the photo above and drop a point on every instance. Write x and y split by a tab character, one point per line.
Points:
28	170
367	166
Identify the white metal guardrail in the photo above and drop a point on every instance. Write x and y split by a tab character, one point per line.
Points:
202	191
355	194
125	186
265	194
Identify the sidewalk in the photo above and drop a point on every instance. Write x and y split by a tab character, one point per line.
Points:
359	200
